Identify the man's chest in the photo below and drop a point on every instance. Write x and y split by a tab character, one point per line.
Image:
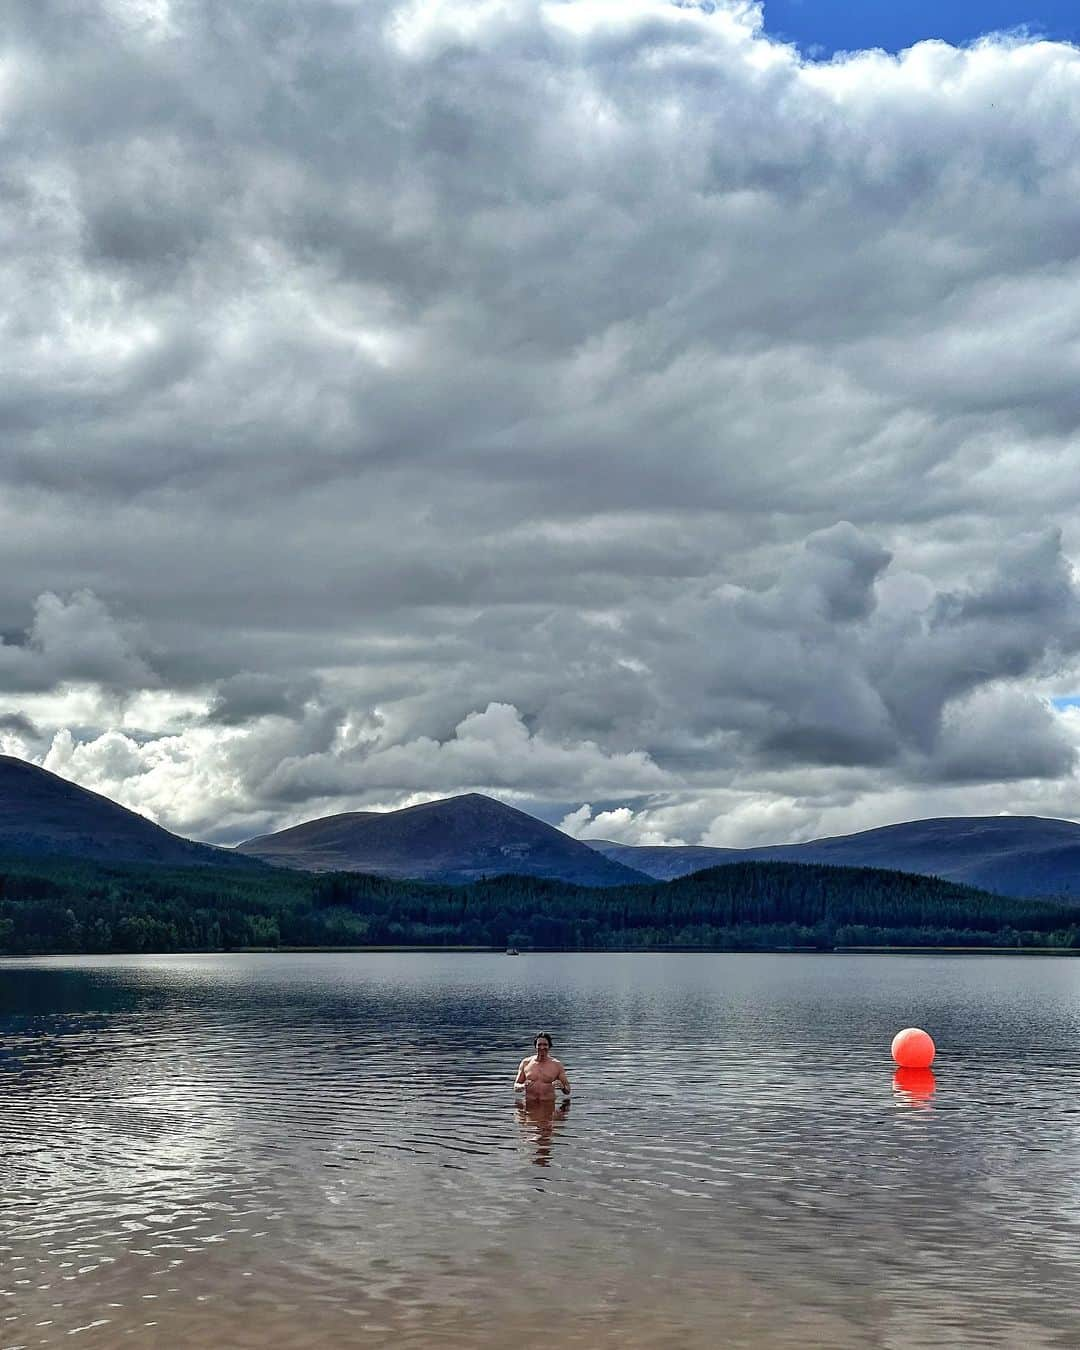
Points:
542	1071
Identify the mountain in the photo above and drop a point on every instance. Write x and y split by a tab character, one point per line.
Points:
457	839
1012	855
667	862
465	838
43	814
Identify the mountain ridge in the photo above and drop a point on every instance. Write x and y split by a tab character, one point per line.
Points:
462	838
472	836
45	815
1009	855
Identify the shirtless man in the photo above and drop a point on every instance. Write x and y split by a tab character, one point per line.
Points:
538	1075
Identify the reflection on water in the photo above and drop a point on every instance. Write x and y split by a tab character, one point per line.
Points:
915	1085
312	1150
540	1121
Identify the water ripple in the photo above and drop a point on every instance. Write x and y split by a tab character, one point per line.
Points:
324	1150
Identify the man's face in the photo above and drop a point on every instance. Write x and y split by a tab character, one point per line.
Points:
542	1049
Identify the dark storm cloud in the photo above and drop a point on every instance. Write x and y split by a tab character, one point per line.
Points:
21	725
247	697
421	396
827	667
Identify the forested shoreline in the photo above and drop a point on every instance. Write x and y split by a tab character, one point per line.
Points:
54	905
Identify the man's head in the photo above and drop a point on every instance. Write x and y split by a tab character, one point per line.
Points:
542	1044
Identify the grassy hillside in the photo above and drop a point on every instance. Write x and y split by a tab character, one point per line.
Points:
49	905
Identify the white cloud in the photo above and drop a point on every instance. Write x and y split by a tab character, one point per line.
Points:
187	783
620	825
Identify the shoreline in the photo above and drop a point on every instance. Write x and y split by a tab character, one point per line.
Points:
575	951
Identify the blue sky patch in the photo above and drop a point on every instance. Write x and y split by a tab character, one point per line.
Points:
822	27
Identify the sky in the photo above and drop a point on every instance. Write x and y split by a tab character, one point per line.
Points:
607	405
821	28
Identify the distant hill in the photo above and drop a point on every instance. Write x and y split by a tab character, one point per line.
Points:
457	839
667	862
42	814
1010	855
72	905
466	838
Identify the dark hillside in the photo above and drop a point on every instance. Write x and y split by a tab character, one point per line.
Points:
457	839
1013	855
70	905
43	814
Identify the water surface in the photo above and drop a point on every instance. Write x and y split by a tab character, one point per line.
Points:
302	1150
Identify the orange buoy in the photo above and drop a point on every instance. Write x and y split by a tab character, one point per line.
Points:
912	1048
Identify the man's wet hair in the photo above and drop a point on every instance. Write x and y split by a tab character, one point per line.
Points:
543	1036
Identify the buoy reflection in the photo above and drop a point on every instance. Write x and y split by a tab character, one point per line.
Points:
915	1085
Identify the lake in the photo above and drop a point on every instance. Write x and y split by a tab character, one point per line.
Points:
319	1149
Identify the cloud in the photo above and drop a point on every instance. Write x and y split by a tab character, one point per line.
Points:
224	784
492	749
620	826
254	694
829	667
73	640
709	410
185	783
19	725
20	737
1000	735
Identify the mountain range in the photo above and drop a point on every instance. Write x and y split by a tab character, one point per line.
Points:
1012	855
44	814
459	839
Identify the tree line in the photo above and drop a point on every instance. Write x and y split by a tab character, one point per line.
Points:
70	906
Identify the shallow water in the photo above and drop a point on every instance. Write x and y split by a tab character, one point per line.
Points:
302	1150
